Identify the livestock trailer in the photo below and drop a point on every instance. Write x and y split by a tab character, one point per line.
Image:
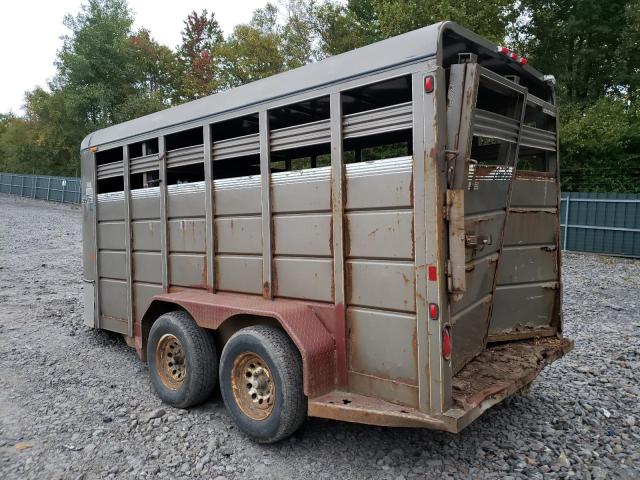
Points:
370	238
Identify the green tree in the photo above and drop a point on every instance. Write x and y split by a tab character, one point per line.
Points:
156	76
253	50
600	146
96	64
361	22
22	147
584	43
198	56
298	38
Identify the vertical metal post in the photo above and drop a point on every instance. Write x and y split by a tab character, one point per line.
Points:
463	87
64	185
265	176
164	240
428	151
34	185
420	239
22	185
96	232
49	188
337	208
209	209
566	221
127	237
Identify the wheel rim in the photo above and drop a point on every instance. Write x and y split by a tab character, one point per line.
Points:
253	386
171	363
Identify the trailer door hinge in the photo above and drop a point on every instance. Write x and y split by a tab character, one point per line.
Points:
450	162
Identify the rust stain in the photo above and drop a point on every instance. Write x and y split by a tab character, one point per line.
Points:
266	290
414	346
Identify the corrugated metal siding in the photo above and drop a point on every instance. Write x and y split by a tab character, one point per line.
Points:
601	223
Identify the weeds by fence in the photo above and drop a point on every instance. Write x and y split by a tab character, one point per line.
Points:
590	222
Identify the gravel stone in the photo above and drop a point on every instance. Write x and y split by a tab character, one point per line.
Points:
62	380
154	415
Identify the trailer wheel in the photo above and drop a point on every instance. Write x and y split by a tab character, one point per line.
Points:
261	383
183	363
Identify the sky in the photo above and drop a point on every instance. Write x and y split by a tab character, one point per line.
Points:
30	32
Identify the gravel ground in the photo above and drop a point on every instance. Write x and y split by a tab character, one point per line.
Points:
77	403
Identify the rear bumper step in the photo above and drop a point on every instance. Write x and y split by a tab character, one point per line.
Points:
495	374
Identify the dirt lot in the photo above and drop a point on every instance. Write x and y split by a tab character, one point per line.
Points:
77	403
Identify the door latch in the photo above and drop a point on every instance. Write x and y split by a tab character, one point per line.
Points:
477	241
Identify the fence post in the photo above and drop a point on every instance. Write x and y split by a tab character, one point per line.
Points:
64	185
566	221
22	185
48	189
34	185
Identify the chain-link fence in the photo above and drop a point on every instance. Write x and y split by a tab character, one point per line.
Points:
590	222
54	189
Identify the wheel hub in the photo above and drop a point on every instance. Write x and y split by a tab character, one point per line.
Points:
171	363
253	386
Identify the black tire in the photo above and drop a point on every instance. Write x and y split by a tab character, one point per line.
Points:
200	360
283	360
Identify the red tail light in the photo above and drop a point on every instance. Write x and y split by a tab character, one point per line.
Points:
429	83
434	311
446	343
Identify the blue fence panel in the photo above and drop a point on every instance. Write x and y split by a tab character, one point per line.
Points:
601	223
54	189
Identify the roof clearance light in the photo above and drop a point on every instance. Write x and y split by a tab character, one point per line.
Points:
523	61
514	56
503	50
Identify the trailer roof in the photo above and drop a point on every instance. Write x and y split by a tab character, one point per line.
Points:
407	48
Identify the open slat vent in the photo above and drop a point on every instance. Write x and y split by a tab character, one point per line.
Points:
147	163
538	138
236	147
110	170
185	156
297	136
548	108
494	125
381	120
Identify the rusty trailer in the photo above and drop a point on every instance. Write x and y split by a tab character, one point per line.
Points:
370	238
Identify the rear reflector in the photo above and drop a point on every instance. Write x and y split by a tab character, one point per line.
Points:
434	311
446	343
433	273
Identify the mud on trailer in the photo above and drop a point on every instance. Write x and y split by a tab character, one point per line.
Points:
371	238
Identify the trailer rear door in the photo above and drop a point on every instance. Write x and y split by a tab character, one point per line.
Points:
503	221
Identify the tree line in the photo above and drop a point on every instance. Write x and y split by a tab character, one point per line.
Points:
108	72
